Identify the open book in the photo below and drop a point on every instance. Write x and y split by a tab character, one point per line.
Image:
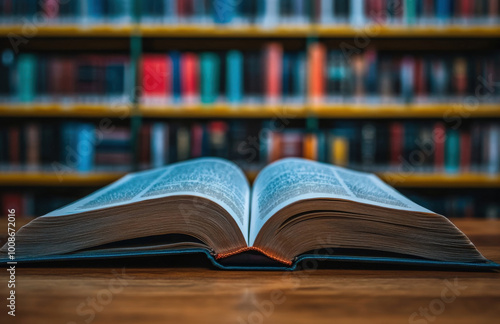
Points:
296	209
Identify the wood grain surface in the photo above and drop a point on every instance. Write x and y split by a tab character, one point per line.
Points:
145	291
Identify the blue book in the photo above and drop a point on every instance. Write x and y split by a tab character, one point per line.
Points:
443	10
84	146
95	9
224	11
176	76
286	75
234	76
158	147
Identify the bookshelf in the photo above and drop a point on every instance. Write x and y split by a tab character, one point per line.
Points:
342	31
140	39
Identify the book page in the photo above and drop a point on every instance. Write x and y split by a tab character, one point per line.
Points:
215	179
293	179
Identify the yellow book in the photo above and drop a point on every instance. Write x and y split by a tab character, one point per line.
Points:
340	151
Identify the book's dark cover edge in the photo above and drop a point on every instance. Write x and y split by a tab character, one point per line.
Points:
221	264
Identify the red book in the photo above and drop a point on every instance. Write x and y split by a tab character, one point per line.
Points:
420	77
189	77
397	143
460	76
466	8
274	62
32	144
51	8
14	145
439	137
196	140
275	146
181	7
317	57
56	76
493	6
145	148
379	11
68	77
156	76
13	201
465	151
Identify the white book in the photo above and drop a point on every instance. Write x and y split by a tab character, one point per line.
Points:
271	13
357	13
326	17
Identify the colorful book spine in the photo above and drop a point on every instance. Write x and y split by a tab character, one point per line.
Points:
452	151
26	74
190	78
209	75
396	143
439	138
317	62
234	81
155	78
274	58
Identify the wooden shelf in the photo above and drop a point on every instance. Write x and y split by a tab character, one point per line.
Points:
404	111
255	111
428	180
62	110
372	31
35	178
102	30
423	180
226	111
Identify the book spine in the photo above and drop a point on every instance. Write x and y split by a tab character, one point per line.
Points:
357	13
274	59
271	13
234	82
85	136
410	11
210	67
190	77
32	145
26	76
396	143
154	78
452	151
439	136
157	145
465	151
493	149
317	57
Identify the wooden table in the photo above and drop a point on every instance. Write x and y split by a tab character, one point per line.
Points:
199	295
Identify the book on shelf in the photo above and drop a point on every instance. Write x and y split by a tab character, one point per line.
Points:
264	13
375	146
318	76
296	210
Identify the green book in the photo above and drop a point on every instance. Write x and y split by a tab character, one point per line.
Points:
26	66
410	11
234	76
210	67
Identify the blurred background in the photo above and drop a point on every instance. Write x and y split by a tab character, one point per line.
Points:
409	89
